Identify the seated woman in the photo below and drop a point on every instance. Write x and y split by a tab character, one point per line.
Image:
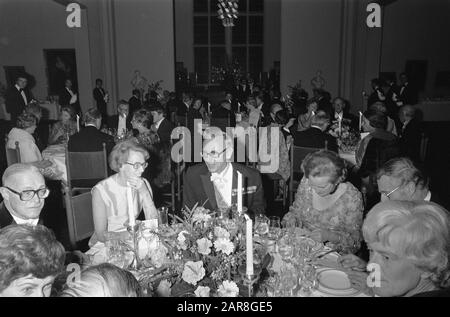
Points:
304	120
109	197
376	148
408	243
65	127
103	280
30	260
326	205
143	134
23	133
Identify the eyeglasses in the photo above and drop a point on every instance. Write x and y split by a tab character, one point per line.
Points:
28	195
137	165
391	192
213	154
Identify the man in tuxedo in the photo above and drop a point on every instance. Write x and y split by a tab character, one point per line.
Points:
90	138
377	93
234	103
69	97
340	112
410	134
24	192
161	125
264	107
100	97
401	179
316	136
391	105
407	95
17	97
214	183
135	101
121	122
185	104
221	113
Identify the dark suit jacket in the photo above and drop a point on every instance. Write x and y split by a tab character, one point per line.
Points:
165	130
410	138
99	94
374	97
6	219
14	102
182	109
90	139
221	113
408	95
198	188
134	104
113	122
64	100
354	121
314	137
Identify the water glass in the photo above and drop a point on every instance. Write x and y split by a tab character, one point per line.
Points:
261	225
274	227
115	251
307	280
163	217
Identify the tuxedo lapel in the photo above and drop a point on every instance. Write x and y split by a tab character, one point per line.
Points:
209	189
5	217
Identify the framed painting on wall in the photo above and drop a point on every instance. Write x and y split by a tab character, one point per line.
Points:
60	65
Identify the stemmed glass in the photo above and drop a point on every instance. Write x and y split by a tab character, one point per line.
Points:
288	281
308	280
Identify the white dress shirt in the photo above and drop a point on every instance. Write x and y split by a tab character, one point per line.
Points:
158	123
223	183
20	221
22	93
74	97
428	196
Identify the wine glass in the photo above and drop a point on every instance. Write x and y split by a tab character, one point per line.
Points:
261	225
274	227
308	280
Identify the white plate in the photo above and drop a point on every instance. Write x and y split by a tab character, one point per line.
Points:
336	283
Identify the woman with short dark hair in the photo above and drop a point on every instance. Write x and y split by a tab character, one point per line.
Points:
326	205
30	259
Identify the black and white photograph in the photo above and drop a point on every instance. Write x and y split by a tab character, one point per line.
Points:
253	149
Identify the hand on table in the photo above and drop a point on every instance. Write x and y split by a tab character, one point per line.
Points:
352	262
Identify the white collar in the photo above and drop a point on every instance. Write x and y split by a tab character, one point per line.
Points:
20	221
428	196
227	172
90	125
317	127
17	87
158	123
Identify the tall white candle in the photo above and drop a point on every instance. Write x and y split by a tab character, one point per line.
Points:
131	220
340	126
209	108
78	123
239	192
249	245
360	120
239	107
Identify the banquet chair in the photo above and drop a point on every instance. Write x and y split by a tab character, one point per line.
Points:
12	155
80	221
85	169
297	155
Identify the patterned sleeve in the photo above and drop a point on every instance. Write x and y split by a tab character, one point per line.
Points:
295	211
351	215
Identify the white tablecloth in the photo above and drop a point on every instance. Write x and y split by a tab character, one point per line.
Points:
57	155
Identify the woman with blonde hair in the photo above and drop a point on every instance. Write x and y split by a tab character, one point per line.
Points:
409	245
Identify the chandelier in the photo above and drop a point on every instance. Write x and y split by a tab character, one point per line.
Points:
227	12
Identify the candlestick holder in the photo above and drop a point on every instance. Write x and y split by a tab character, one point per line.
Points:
134	231
249	280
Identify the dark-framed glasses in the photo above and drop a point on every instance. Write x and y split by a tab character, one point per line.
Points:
137	165
28	195
213	154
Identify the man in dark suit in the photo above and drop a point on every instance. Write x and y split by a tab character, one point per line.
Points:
340	112
315	136
264	107
377	93
121	122
221	114
17	97
101	98
69	97
410	133
185	104
90	138
161	125
407	95
214	183
135	101
24	192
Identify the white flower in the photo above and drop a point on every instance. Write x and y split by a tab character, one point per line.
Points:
164	288
204	246
228	289
193	272
182	239
158	256
224	245
200	217
221	233
202	291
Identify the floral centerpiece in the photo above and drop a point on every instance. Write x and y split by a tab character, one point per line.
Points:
347	138
202	254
